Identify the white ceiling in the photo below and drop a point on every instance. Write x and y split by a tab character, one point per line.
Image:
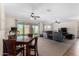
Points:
46	11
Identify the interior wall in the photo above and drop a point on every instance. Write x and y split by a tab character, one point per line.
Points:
2	27
70	25
78	29
10	22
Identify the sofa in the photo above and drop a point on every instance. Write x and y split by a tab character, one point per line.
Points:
67	35
57	36
48	34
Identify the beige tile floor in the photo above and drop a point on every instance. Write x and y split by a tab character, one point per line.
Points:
73	50
48	47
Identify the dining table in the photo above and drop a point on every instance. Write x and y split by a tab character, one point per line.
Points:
25	42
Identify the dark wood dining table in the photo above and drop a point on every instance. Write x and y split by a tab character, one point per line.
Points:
26	43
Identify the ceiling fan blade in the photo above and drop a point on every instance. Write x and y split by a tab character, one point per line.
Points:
35	17
38	16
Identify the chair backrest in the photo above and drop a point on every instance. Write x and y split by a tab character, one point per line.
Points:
4	46
34	41
9	46
12	37
30	35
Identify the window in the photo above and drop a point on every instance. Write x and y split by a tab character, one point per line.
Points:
47	27
20	29
35	29
26	29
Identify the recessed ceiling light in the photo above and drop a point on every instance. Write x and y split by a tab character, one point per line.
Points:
48	10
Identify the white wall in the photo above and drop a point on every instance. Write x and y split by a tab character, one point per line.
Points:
71	25
78	29
2	27
42	27
10	22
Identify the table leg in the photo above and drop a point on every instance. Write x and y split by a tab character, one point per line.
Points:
27	50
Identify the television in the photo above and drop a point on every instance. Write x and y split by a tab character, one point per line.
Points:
64	29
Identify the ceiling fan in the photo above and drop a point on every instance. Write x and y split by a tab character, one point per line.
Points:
34	16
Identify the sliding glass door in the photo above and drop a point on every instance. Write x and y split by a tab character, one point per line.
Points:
20	28
35	30
25	29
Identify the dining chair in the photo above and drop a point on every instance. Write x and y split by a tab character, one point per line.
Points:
30	35
11	49
33	46
11	37
5	52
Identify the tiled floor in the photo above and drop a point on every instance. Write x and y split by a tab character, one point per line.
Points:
47	47
52	48
74	49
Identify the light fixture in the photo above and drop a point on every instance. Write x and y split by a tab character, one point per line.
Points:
34	16
57	22
48	10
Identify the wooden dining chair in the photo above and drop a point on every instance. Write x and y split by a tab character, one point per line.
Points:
11	49
33	46
5	52
30	35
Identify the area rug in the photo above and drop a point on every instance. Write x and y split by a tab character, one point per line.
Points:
47	47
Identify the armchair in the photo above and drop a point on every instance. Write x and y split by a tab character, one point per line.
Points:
58	36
